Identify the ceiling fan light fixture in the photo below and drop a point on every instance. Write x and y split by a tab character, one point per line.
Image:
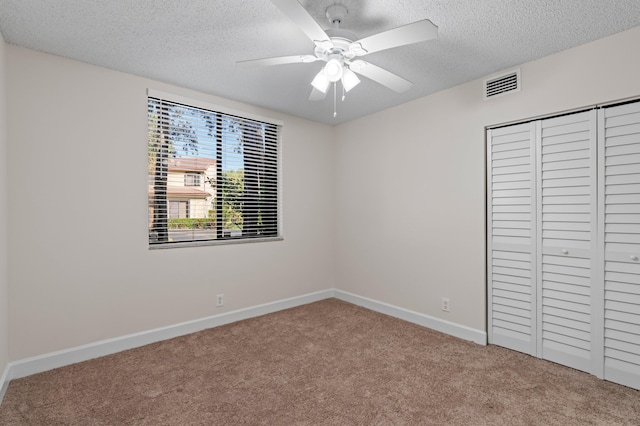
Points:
321	82
333	70
349	79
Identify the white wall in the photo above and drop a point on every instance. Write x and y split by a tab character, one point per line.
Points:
4	176
410	181
80	267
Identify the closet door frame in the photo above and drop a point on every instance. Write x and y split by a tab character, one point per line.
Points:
609	316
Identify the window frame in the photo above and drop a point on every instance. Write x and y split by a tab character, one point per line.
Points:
202	104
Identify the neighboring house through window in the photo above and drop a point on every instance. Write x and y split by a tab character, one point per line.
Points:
191	186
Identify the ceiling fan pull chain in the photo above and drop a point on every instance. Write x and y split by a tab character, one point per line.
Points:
335	112
344	94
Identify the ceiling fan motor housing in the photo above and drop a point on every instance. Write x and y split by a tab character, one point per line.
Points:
338	48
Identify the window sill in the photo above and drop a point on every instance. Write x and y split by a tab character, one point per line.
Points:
213	243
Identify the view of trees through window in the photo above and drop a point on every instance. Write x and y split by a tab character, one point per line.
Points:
211	175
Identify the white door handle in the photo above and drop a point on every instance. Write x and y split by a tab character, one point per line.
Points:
634	258
565	251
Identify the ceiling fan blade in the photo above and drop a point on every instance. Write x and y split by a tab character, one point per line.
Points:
317	95
280	60
406	34
382	76
301	17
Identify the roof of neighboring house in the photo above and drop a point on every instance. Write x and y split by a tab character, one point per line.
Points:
179	191
190	164
182	192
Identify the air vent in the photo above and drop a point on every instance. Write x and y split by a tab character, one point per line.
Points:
502	84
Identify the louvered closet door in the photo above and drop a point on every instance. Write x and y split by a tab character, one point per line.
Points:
620	230
511	210
566	238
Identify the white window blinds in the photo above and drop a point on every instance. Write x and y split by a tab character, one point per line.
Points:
221	170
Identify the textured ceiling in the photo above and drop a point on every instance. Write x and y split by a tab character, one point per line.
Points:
196	43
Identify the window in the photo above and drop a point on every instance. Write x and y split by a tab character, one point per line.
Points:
213	174
178	209
192	179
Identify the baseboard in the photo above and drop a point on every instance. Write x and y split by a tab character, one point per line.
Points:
45	362
38	364
4	383
443	326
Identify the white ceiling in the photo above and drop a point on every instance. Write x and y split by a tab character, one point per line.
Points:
196	43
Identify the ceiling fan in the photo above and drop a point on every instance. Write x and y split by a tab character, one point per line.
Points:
341	49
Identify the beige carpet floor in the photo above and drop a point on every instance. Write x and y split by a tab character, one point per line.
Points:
326	363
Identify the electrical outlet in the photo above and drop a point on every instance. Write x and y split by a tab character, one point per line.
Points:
220	300
445	304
